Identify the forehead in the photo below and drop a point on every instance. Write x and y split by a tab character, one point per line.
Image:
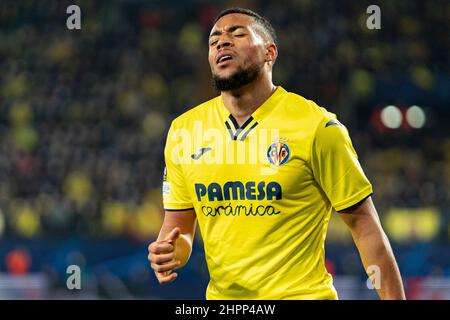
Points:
233	19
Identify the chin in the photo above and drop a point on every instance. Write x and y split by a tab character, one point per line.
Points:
225	74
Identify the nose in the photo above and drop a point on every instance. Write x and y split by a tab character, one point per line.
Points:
224	41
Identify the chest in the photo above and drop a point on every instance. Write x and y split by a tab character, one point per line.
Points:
269	161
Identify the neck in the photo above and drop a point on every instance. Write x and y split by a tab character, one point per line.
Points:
244	101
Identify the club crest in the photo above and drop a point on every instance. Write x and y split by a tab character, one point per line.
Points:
278	153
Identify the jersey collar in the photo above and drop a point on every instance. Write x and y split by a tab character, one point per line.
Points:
240	133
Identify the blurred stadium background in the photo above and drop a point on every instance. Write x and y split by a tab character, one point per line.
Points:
84	114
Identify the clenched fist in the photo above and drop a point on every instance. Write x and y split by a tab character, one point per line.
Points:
161	255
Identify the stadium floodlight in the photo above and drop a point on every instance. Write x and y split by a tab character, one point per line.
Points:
415	116
391	117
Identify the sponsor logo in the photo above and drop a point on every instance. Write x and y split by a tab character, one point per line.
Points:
333	123
200	153
237	190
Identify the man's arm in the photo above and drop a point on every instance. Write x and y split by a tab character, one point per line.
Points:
173	247
374	247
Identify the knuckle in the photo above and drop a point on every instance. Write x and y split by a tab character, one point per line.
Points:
165	268
157	260
163	258
155	267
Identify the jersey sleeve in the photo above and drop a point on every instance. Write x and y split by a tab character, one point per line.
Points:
336	167
175	193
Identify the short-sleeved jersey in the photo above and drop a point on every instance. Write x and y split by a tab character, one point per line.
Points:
263	193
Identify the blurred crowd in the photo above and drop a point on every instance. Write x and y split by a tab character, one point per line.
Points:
84	113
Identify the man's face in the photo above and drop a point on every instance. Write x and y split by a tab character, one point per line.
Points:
236	51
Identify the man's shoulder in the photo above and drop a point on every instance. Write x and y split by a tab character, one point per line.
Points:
196	113
308	108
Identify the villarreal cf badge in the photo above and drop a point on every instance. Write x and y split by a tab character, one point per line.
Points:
278	152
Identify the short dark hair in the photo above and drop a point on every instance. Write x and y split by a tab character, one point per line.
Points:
263	22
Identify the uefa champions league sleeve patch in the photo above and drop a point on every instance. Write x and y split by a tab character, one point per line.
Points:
166	188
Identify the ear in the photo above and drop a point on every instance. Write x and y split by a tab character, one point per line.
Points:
271	52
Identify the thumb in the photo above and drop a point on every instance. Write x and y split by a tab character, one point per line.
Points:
173	235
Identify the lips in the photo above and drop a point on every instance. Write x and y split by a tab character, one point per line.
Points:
222	57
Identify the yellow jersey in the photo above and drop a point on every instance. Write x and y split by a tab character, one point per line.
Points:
263	193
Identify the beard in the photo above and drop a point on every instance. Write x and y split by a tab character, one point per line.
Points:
237	80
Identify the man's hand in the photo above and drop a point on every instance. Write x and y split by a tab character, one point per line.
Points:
162	257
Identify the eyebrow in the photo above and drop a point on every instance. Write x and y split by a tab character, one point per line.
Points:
230	29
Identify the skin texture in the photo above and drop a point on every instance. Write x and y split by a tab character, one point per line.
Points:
239	36
374	248
173	247
242	38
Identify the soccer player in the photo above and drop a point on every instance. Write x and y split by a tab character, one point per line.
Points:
261	169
